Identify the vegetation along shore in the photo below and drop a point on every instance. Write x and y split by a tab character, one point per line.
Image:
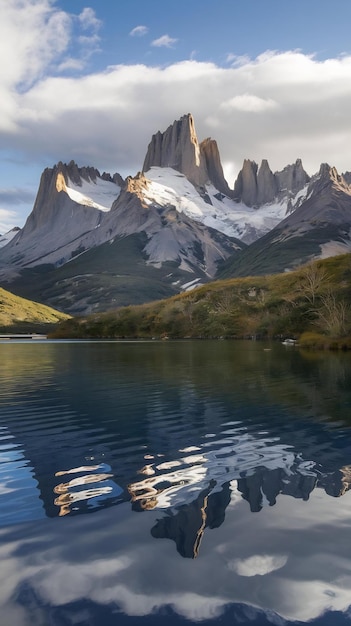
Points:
311	304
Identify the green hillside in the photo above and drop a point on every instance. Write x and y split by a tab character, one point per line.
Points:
312	303
21	315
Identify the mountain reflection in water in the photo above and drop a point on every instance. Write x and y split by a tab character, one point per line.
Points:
185	442
258	470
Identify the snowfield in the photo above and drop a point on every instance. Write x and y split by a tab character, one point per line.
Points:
235	219
99	195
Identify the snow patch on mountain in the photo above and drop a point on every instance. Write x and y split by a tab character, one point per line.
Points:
333	248
234	219
168	187
191	285
99	194
4	239
301	196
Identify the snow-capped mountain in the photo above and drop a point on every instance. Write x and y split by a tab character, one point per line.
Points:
319	227
215	210
174	224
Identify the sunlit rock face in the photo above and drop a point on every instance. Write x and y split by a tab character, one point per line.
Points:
70	203
178	148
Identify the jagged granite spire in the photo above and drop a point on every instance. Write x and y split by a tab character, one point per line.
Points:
178	147
292	178
256	186
210	154
266	184
245	187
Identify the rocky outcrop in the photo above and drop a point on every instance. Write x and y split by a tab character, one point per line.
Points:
116	178
328	178
136	185
256	186
245	188
76	174
292	178
50	204
212	161
178	148
347	177
266	184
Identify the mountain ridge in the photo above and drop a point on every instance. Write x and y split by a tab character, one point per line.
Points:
182	212
320	226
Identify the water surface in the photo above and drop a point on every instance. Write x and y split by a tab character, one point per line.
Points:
174	482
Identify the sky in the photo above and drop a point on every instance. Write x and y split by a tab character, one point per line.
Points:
93	81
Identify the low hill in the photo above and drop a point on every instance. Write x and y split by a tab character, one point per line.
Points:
316	298
21	315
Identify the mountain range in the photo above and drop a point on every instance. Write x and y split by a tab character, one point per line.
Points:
97	241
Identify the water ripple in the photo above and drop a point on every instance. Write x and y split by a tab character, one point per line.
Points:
159	428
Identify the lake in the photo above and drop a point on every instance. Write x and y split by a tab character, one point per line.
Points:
174	483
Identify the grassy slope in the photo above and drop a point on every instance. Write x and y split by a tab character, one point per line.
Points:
21	315
315	298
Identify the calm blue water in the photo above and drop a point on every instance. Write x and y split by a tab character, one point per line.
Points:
174	483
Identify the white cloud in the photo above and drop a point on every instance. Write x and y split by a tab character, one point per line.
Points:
13	200
89	45
7	220
307	574
164	42
250	103
237	60
279	106
12	197
89	20
258	565
32	34
90	41
71	64
107	119
38	39
139	31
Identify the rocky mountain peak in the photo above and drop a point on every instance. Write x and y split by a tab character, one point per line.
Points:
136	185
245	187
178	148
256	186
77	174
292	178
266	184
329	177
210	154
